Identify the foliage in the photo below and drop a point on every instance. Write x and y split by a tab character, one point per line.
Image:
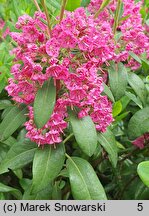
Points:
87	163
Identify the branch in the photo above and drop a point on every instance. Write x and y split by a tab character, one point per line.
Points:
43	2
116	18
37	5
62	10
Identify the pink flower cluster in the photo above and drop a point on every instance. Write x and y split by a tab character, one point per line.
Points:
73	56
52	130
131	32
29	61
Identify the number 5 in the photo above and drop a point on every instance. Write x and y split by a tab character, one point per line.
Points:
140	207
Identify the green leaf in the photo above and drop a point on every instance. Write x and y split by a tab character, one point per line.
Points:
139	123
97	153
135	57
102	6
2	84
85	184
6	189
10	141
143	172
85	133
138	86
124	18
2	196
117	36
44	194
147	83
72	5
44	103
121	11
22	135
145	66
18	156
85	3
5	112
3	151
124	101
142	192
54	3
64	173
134	99
12	121
108	92
56	192
117	108
117	80
120	146
122	116
25	183
4	104
107	140
47	164
18	173
15	8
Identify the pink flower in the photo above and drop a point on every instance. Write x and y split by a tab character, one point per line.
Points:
84	112
52	47
51	132
140	141
57	72
22	92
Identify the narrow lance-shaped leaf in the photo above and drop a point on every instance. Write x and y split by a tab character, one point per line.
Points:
117	79
134	56
44	103
103	5
4	104
124	101
56	4
107	140
7	189
139	123
118	14
44	194
138	86
12	121
3	151
85	184
145	66
134	99
2	196
10	141
85	133
5	112
18	156
108	92
56	192
47	164
147	84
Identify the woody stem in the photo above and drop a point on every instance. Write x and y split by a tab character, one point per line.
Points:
37	5
117	14
43	2
62	9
